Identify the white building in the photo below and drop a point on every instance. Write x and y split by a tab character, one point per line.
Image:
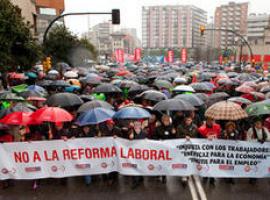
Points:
172	26
256	27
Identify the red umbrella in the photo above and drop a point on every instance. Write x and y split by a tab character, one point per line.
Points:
123	73
35	99
244	89
51	114
14	75
17	118
254	96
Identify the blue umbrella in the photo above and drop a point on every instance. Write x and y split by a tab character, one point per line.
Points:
95	116
131	113
37	89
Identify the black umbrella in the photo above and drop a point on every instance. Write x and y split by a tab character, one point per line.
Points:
153	95
138	88
19	107
44	83
87	98
64	100
204	97
60	83
191	98
201	87
173	105
107	88
8	96
30	93
216	97
94	104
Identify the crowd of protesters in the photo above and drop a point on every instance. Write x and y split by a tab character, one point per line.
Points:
160	126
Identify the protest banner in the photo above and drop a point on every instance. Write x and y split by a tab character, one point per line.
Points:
179	157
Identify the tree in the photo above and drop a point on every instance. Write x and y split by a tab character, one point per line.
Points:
17	46
61	43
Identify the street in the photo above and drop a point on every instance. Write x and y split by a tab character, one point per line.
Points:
152	189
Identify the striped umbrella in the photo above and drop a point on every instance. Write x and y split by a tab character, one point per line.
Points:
226	110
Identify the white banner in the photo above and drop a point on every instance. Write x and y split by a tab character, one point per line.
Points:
76	157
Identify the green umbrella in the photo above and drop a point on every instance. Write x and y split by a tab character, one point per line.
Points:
259	108
19	88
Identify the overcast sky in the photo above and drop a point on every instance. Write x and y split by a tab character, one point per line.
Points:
131	10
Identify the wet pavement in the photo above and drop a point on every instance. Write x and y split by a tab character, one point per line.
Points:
241	190
52	189
153	188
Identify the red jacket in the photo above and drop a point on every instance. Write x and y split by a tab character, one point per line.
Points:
6	138
206	131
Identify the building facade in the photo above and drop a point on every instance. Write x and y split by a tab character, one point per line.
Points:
47	10
257	24
28	11
172	26
232	16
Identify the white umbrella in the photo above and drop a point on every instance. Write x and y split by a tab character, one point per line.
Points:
183	88
71	74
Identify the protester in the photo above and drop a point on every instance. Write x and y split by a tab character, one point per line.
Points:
187	130
136	133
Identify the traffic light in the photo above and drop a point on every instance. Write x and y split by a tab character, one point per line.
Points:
49	62
115	16
202	29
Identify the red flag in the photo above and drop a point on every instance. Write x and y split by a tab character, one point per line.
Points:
170	56
220	59
184	55
137	54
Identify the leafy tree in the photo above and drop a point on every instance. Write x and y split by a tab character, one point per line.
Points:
17	46
60	43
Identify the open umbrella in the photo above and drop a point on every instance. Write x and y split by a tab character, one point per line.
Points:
163	84
70	74
240	100
226	110
254	96
201	87
191	98
94	104
138	88
204	97
8	96
64	100
152	95
173	105
215	97
44	83
51	114
38	89
259	108
30	93
183	88
244	89
131	112
95	116
107	88
59	83
17	118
